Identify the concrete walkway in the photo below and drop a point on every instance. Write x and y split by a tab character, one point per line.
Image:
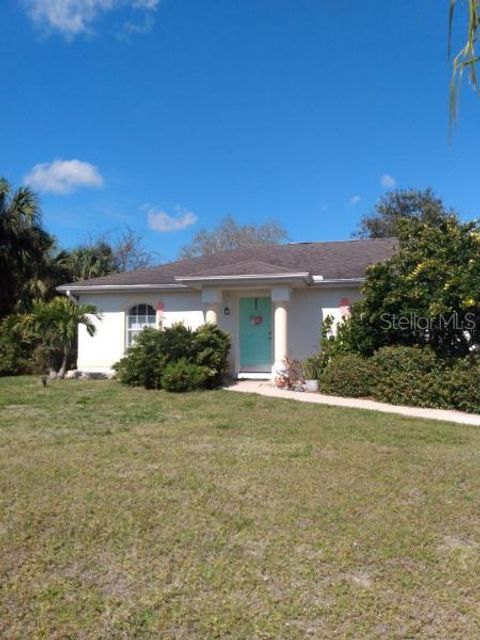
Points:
265	388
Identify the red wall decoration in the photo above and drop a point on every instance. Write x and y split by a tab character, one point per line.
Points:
344	307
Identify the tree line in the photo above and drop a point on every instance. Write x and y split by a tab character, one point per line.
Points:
31	262
38	328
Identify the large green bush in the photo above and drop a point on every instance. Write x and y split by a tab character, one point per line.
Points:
14	351
13	359
210	347
19	355
144	361
175	343
147	361
347	375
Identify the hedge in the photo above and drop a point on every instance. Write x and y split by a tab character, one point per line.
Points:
464	384
347	375
412	376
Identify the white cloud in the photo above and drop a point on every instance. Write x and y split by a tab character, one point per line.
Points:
146	4
136	28
354	200
72	17
387	181
160	220
63	176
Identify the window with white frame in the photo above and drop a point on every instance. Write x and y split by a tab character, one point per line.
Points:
139	317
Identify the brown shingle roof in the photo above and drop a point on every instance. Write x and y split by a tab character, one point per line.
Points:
244	267
333	260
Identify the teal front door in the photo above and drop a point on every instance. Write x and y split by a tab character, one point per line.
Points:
255	334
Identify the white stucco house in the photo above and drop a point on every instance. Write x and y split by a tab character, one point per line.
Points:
271	300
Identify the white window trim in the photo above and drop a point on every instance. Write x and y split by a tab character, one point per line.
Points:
131	333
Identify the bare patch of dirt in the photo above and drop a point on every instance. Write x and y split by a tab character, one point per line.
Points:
359	579
457	543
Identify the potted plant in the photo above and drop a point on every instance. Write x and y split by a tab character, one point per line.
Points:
290	376
312	368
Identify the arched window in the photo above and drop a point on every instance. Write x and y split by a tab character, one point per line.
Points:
139	317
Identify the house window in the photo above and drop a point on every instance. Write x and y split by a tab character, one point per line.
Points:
139	317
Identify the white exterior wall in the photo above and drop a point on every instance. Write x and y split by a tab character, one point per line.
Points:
307	309
107	346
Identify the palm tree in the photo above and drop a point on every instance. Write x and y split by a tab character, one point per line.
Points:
17	207
24	248
92	261
55	324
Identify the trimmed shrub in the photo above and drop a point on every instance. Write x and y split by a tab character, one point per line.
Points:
147	359
463	382
347	375
410	375
210	348
176	342
144	361
184	376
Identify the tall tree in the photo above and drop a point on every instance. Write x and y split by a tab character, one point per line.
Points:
25	249
426	294
91	260
231	235
130	253
401	204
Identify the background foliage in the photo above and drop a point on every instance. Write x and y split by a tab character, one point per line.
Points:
401	204
231	235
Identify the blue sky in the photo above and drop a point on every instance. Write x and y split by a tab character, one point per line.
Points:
165	115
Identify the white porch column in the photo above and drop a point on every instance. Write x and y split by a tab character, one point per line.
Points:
280	299
211	313
211	298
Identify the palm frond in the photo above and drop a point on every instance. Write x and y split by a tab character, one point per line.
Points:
25	205
466	59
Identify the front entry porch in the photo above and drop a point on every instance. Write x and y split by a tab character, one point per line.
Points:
257	321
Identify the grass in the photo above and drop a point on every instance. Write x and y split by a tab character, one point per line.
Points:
135	514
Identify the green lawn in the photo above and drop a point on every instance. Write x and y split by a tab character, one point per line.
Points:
135	514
